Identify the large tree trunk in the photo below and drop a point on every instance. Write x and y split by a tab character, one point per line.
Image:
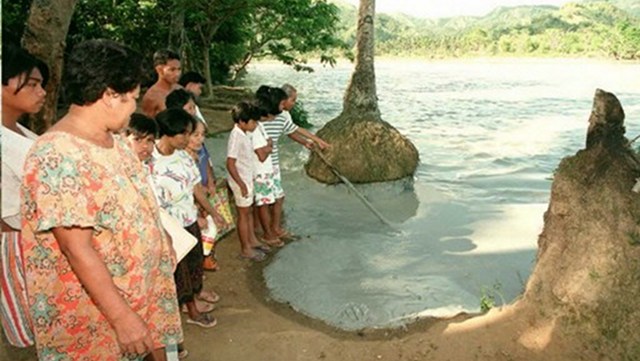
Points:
364	148
44	37
207	69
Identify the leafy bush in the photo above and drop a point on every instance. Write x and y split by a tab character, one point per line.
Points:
300	116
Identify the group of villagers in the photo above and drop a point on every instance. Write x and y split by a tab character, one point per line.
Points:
88	270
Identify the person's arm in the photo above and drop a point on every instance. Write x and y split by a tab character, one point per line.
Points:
131	331
233	172
305	133
201	198
298	138
211	179
264	152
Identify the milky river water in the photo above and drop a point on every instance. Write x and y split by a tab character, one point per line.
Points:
490	134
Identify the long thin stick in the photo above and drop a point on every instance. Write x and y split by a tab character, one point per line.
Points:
353	188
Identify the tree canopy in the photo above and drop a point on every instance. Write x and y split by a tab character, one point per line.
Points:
215	37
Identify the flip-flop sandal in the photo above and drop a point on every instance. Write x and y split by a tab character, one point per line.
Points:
263	248
256	257
208	297
204	320
271	243
202	306
285	235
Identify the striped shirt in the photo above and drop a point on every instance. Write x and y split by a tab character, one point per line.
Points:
282	124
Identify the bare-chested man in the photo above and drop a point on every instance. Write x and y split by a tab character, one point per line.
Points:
167	65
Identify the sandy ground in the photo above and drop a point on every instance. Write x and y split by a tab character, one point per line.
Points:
251	327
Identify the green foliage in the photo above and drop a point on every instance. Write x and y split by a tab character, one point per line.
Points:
591	28
213	36
300	116
140	24
489	297
290	30
14	17
634	238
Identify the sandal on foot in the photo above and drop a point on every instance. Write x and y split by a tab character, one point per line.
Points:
210	264
204	320
255	257
201	306
208	297
263	248
285	234
278	243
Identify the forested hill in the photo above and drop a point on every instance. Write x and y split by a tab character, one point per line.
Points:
588	28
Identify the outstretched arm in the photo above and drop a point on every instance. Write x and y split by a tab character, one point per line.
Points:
308	139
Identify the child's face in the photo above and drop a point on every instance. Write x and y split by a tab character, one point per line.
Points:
195	88
249	126
181	141
197	137
142	145
190	107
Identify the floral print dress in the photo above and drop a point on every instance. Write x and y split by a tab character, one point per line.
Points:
69	181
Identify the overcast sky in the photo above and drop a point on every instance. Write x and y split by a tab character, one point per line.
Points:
447	8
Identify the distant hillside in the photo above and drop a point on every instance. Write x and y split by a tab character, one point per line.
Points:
630	6
606	28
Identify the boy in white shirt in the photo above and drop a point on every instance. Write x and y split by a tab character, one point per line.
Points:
240	164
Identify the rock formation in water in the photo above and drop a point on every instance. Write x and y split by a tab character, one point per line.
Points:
364	148
581	301
587	275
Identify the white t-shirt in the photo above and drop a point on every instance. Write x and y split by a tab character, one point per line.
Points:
14	152
259	139
174	178
241	149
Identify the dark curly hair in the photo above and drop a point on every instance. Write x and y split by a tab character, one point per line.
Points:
178	98
95	65
174	121
141	126
244	112
269	99
191	77
17	61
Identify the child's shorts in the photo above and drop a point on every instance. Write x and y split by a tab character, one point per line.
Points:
277	183
237	194
264	189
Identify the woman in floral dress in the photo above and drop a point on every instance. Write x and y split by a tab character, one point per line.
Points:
99	266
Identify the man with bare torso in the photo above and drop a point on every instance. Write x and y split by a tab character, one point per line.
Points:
167	65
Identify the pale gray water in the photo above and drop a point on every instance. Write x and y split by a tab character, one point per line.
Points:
489	132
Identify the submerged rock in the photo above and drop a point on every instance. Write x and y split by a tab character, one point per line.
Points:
364	151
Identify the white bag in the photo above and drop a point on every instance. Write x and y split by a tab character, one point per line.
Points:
181	240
